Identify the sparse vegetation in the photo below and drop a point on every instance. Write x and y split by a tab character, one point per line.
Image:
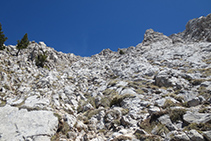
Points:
168	103
110	92
41	59
199	127
118	99
91	113
121	52
162	129
2	38
23	44
176	114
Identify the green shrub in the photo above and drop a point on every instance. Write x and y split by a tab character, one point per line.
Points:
41	59
121	52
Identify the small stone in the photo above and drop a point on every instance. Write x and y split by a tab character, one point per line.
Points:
71	135
152	110
165	119
195	136
195	117
140	131
178	136
207	135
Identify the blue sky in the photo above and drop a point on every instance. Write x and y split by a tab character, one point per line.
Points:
85	27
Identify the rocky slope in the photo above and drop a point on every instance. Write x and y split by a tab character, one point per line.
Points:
158	90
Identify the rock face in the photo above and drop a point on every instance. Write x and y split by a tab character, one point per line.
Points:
158	90
23	125
199	29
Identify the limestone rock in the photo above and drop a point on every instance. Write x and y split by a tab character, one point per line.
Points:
198	29
110	93
207	135
151	36
178	136
18	124
194	117
165	119
195	136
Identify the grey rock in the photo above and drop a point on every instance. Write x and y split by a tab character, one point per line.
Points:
140	131
69	83
128	91
167	78
34	102
195	136
88	107
165	119
178	136
16	124
195	117
207	135
41	138
160	102
153	109
81	126
194	102
71	135
70	119
198	29
151	36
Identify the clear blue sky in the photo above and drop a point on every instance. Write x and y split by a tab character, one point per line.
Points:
85	27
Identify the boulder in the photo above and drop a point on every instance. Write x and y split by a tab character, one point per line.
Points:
178	136
151	36
195	101
195	117
207	135
195	136
198	29
165	119
19	124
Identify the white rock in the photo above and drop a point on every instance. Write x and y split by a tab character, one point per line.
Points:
195	136
195	117
165	119
36	102
16	124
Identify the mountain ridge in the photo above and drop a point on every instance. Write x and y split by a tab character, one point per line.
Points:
158	90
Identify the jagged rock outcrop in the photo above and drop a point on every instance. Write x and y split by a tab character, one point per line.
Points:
198	29
151	36
158	90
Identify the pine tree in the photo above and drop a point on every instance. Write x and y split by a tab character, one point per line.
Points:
2	39
23	43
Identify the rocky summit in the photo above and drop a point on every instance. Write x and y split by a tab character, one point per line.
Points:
158	90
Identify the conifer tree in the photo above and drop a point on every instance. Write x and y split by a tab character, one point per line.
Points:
23	43
2	39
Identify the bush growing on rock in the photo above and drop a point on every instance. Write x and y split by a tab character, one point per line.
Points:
2	39
121	52
177	114
199	127
168	103
22	44
41	59
118	99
